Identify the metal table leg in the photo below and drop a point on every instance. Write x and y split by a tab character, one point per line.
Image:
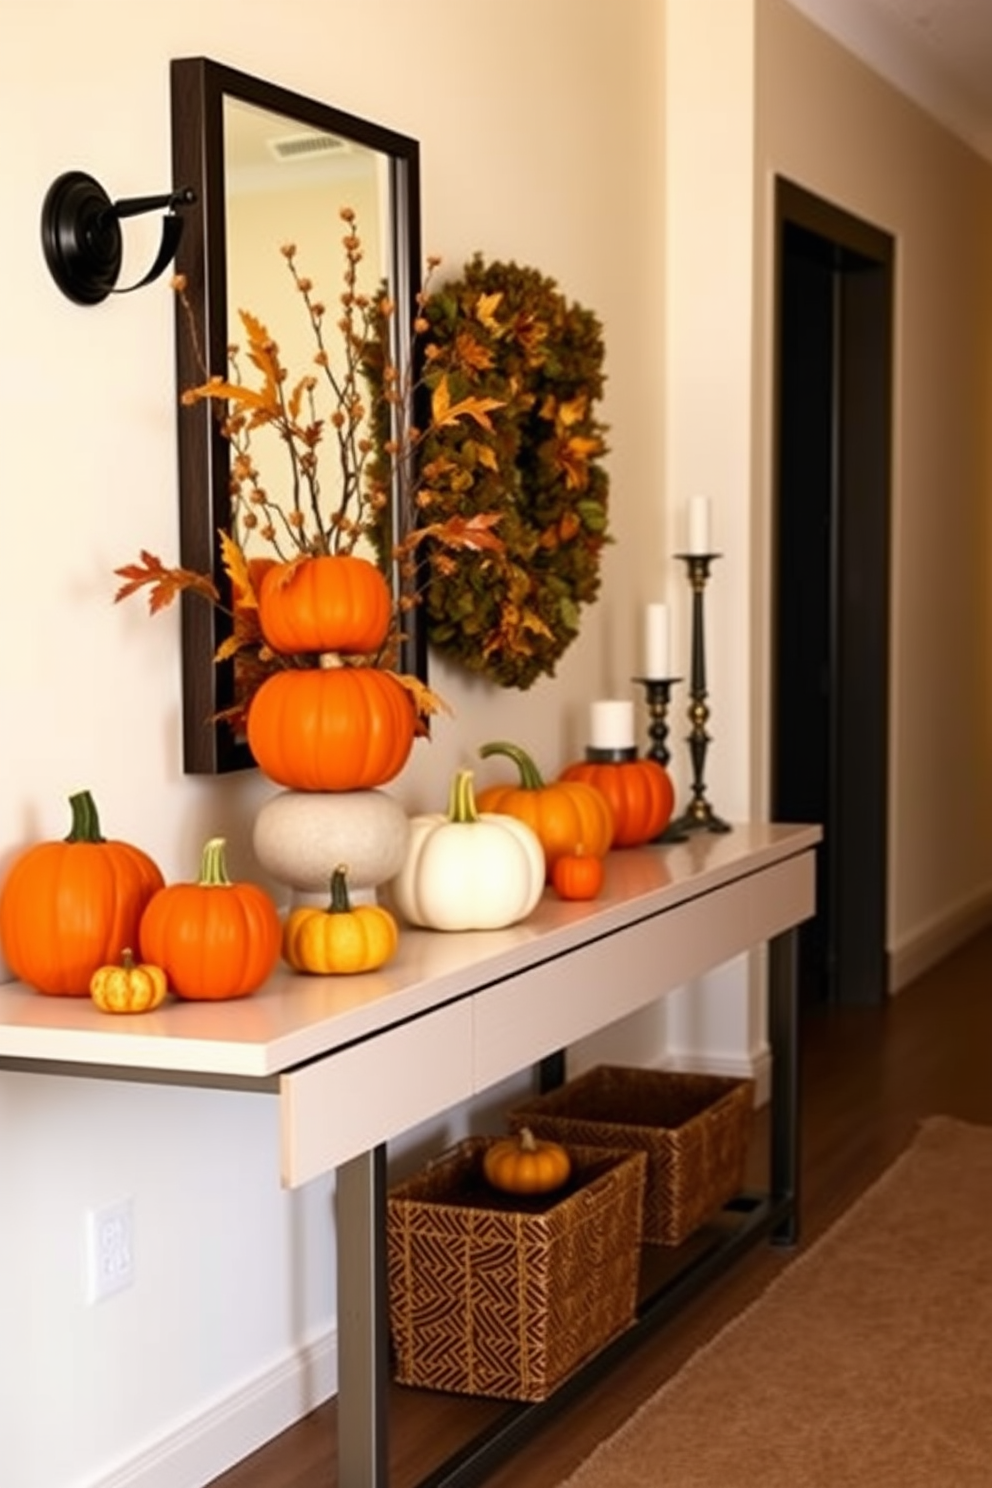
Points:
363	1324
783	1037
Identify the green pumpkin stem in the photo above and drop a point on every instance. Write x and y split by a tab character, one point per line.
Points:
213	865
340	902
85	820
461	802
530	776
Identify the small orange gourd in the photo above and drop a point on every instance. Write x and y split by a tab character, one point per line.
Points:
577	875
214	939
525	1164
341	939
128	987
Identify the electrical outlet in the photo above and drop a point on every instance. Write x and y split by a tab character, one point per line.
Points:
109	1250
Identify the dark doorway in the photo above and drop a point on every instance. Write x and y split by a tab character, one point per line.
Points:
831	578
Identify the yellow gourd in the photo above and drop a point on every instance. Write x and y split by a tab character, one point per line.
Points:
339	940
523	1164
129	987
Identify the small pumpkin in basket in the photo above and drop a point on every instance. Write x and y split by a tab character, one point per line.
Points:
525	1164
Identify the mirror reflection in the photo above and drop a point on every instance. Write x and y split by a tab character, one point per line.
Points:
286	184
270	169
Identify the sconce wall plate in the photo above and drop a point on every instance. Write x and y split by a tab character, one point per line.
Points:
81	235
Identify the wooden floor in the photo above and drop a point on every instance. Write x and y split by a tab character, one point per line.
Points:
869	1076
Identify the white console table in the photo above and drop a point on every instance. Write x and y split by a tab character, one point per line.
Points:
356	1061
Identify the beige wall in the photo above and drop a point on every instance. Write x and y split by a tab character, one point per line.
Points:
534	119
826	122
549	130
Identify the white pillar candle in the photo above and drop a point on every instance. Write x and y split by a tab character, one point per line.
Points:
612	725
699	525
657	660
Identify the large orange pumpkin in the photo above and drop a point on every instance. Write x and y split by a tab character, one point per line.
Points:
564	814
334	603
69	907
331	728
639	791
214	939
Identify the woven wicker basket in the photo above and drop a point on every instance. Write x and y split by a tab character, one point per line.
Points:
505	1297
694	1129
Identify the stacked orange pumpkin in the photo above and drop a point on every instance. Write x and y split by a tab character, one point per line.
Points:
342	723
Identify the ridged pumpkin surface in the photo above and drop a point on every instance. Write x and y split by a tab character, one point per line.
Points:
325	604
214	939
333	729
640	794
69	907
565	814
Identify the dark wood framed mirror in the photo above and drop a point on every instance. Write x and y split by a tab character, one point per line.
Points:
247	147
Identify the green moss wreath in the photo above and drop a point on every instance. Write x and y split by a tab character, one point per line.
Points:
506	334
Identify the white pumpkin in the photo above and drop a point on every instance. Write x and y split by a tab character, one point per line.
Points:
469	870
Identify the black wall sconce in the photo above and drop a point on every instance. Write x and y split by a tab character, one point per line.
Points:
81	235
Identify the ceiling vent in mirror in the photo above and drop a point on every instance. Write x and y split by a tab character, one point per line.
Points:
306	146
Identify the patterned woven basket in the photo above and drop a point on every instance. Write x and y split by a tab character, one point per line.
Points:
694	1129
505	1296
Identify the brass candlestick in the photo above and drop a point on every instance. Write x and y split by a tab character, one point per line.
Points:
699	815
659	694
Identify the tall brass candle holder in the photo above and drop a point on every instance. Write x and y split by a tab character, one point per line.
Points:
699	815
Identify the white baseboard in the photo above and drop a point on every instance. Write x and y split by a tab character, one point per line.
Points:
939	938
202	1447
757	1067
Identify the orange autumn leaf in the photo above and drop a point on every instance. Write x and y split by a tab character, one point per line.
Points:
474	532
470	353
424	699
233	392
572	458
485	310
236	568
163	583
444	412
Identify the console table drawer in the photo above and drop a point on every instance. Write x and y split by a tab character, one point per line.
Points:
350	1101
519	1021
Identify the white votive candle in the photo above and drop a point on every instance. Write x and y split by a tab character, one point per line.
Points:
657	659
699	525
612	724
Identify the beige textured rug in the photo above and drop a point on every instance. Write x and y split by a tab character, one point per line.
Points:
866	1364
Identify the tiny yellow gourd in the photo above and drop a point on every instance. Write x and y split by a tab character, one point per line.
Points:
339	940
524	1164
129	987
